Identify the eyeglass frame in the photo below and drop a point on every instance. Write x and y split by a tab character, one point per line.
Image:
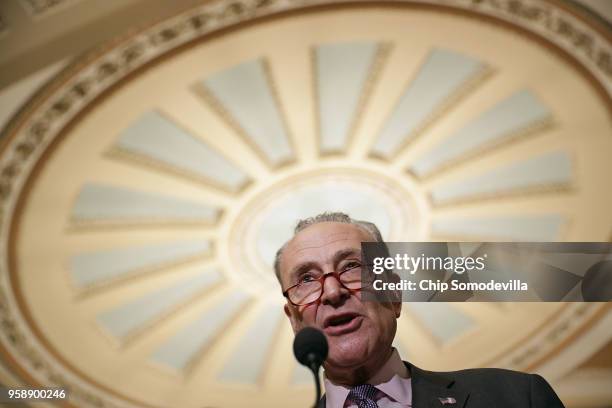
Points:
321	280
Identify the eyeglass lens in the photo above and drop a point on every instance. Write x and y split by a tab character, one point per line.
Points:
310	291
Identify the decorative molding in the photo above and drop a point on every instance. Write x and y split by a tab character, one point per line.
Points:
516	116
380	59
428	315
552	172
587	387
3	26
128	320
543	344
532	227
432	96
37	8
107	205
179	353
261	336
157	141
44	121
219	93
328	71
591	46
91	271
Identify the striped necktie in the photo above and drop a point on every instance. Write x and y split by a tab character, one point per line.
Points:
363	396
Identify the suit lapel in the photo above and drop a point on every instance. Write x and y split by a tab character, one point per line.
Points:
435	390
428	388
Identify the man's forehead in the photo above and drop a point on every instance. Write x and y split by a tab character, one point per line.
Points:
326	235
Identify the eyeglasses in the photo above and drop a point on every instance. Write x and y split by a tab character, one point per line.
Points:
310	286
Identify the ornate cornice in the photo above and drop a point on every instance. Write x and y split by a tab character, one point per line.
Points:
47	117
38	8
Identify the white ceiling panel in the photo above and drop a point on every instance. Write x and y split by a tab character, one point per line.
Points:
99	202
158	139
342	70
246	94
129	318
95	268
245	365
511	228
442	74
550	170
430	314
509	117
185	345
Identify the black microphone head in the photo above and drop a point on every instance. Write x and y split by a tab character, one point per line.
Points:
310	346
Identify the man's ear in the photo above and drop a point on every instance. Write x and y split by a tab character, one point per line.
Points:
290	314
397	306
396	295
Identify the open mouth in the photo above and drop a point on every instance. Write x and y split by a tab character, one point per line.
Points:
341	324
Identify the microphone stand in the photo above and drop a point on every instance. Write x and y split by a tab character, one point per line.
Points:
310	349
313	364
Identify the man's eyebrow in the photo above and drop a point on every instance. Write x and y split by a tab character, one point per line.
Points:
345	253
303	267
338	256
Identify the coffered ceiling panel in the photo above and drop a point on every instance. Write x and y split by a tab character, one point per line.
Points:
517	113
110	204
441	77
156	139
144	193
245	94
99	268
548	171
342	72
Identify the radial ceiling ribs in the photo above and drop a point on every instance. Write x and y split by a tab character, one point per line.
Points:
153	139
180	352
518	114
105	205
244	96
548	172
130	319
429	314
248	359
344	73
443	77
544	227
92	270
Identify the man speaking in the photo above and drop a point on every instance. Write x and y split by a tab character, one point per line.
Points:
319	270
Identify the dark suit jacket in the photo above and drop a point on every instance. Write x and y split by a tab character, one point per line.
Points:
479	388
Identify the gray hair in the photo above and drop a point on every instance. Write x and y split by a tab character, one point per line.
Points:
368	227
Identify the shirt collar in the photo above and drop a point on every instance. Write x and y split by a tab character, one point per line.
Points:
392	378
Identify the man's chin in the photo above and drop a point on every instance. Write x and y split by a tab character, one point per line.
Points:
347	353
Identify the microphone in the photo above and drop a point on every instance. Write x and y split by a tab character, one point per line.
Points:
310	349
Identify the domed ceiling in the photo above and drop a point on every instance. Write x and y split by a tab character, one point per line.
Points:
145	191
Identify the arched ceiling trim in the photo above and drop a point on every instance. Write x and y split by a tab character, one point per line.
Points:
38	129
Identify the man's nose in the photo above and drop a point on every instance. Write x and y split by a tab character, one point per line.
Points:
333	291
